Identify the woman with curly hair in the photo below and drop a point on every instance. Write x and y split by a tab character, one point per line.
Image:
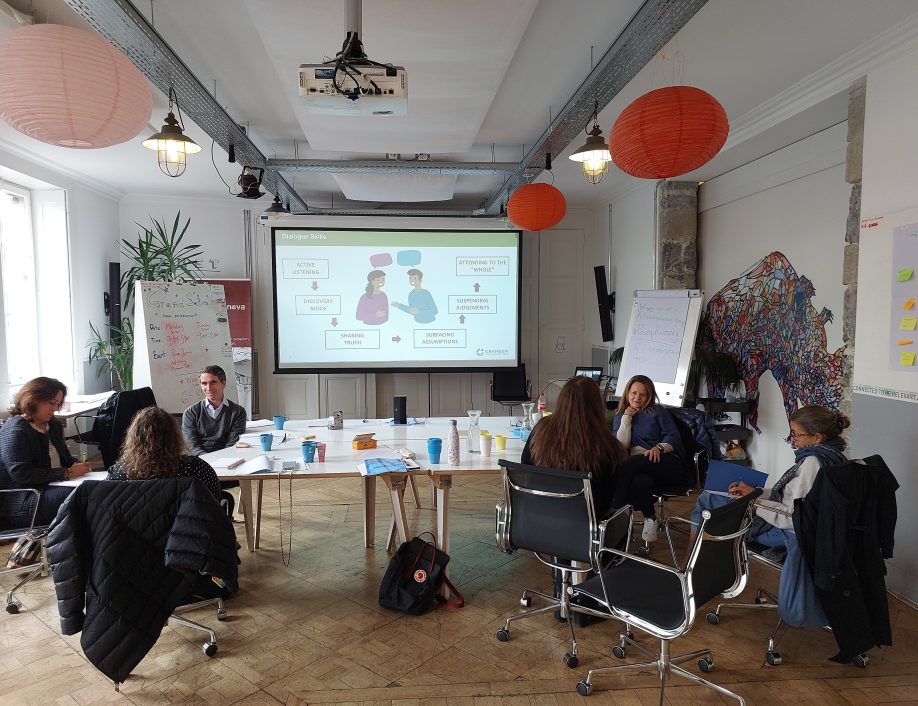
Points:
154	448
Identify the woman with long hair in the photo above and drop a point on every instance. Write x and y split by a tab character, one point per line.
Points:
576	437
656	454
33	452
373	306
154	448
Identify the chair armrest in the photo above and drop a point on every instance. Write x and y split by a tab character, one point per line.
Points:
502	527
614	517
642	560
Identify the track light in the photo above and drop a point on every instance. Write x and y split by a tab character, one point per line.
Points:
250	184
171	143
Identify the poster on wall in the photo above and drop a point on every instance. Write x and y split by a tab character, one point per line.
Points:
239	311
903	312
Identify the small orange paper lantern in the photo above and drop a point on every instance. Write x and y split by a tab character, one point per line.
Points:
668	132
536	207
71	88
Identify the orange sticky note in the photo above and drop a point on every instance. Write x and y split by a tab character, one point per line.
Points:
904	341
909	304
907	358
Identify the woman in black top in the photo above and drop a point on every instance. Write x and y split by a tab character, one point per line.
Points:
33	452
576	437
154	448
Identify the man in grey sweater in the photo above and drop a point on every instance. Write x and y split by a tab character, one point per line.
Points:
215	422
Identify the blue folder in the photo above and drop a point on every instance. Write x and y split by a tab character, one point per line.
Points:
722	473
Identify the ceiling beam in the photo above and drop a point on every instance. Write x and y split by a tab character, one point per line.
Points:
653	25
389	166
122	25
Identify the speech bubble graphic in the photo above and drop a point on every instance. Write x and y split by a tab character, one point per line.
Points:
381	259
409	258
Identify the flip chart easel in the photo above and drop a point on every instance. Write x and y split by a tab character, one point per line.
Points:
661	339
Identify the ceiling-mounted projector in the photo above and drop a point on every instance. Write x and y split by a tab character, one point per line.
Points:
361	89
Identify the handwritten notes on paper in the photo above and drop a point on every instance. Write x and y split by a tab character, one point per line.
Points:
179	329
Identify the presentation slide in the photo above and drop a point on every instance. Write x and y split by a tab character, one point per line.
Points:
395	300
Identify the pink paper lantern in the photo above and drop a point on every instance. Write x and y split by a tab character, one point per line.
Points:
71	88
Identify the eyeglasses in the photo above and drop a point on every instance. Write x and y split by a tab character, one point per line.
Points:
793	436
57	405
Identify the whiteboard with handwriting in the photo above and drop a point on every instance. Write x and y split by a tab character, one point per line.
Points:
661	339
179	329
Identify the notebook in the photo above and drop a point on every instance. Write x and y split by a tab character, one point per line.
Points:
721	474
227	462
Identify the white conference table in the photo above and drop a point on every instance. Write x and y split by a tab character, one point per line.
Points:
341	462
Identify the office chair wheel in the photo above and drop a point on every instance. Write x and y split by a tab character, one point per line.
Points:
571	661
773	658
583	688
209	648
221	614
13	608
706	665
862	660
643	551
503	635
760	599
713	618
618	651
526	601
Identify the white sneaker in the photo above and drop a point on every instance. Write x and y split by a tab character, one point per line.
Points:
649	533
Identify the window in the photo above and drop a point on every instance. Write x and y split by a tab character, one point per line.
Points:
36	335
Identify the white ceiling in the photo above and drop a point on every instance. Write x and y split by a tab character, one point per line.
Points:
483	77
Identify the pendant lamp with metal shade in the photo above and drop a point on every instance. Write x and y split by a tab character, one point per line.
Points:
171	144
276	209
593	155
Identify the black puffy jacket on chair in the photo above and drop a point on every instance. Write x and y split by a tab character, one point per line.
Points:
127	553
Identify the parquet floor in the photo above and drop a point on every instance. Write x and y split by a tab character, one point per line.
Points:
313	632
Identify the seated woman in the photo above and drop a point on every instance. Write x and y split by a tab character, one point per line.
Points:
815	437
576	437
657	458
154	448
33	452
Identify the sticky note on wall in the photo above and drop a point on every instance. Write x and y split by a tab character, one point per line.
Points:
908	304
904	341
907	358
904	275
908	323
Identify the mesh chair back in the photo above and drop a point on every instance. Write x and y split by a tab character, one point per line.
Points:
510	385
718	565
550	511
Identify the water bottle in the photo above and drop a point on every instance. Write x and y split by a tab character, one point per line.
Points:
452	444
474	431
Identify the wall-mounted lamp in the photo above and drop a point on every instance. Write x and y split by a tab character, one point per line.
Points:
170	143
593	155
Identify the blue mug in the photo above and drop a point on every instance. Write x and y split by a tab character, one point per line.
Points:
265	440
434	449
279	421
309	451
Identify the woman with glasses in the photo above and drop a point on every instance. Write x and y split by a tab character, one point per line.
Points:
815	436
32	448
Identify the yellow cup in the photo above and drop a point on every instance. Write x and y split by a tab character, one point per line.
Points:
500	442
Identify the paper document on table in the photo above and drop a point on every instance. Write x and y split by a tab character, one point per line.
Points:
259	464
258	424
92	475
376	466
279	437
226	462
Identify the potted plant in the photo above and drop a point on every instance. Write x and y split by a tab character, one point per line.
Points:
158	256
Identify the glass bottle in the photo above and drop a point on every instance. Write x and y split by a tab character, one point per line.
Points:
474	431
452	444
526	421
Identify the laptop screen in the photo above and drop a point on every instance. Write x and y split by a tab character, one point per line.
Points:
595	374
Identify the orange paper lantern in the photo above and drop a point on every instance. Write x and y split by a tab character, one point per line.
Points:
536	207
71	88
668	132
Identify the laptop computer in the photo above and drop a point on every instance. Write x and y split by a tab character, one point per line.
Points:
595	374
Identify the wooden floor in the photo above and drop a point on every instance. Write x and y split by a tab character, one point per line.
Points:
313	632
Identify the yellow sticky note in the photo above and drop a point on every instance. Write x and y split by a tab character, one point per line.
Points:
904	341
909	304
905	275
907	358
908	323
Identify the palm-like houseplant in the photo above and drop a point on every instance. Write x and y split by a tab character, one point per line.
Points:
158	256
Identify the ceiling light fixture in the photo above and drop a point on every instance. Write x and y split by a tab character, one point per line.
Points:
276	209
170	143
593	155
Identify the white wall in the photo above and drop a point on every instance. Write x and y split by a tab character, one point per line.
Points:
778	203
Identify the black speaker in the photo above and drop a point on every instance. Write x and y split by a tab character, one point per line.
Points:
114	294
606	303
399	409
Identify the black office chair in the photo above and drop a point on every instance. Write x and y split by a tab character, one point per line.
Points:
18	508
510	387
662	600
111	420
550	513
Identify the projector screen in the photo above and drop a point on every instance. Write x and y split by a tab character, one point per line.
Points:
395	300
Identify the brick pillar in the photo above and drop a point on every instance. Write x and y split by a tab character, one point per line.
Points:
677	235
853	167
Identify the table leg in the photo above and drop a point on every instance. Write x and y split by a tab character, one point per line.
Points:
259	486
390	540
414	490
245	500
396	484
369	510
443	484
